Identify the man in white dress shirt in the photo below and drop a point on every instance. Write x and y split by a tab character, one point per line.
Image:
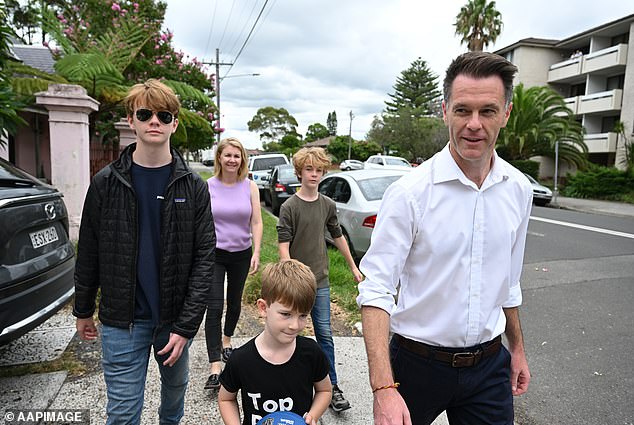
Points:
449	241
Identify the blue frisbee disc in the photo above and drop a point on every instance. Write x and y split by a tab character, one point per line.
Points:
282	418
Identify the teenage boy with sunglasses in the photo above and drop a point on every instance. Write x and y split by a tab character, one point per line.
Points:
147	241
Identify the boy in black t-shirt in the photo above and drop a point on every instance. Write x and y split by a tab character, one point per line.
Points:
278	370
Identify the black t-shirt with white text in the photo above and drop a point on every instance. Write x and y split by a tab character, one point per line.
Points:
267	388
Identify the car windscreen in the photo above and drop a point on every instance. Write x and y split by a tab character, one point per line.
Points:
396	161
374	188
260	164
287	173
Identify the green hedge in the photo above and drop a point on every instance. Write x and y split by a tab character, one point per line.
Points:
527	166
599	183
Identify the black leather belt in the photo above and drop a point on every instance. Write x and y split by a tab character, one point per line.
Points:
455	358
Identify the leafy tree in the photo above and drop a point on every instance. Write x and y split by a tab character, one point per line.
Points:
338	148
101	43
9	106
331	123
478	24
416	88
272	124
540	118
289	144
315	132
411	137
628	146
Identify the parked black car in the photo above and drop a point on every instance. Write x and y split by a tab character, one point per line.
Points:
281	185
37	259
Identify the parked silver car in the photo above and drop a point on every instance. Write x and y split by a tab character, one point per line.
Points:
358	195
541	194
351	164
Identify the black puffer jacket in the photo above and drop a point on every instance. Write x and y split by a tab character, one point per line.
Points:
107	251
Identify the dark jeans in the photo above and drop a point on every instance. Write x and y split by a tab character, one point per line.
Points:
236	266
480	394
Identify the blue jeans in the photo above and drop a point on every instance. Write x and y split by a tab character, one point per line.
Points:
323	332
126	355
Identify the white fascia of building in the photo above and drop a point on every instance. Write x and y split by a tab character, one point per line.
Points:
594	72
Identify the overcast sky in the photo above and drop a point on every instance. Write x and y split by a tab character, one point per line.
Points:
318	56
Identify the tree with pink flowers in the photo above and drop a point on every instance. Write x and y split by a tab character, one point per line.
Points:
106	46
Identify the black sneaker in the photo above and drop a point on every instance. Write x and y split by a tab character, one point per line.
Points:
213	382
226	353
338	402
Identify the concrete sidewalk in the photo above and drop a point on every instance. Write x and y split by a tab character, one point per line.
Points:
54	391
620	209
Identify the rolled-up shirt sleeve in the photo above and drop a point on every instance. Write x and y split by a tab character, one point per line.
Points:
517	256
390	244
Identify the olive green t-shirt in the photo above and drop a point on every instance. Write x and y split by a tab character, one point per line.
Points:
303	224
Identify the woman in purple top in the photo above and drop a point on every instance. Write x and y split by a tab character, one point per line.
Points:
235	203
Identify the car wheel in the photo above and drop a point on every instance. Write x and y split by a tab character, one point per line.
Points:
541	202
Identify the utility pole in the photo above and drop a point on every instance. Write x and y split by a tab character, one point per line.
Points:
217	64
350	135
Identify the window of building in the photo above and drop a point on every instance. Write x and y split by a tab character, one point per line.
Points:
620	39
607	123
616	82
577	89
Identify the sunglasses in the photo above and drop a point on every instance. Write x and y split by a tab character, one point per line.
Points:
143	115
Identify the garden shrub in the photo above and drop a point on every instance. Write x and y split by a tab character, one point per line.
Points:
599	183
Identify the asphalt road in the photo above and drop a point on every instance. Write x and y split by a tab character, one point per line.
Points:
577	316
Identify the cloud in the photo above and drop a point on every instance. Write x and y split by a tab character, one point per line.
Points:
314	57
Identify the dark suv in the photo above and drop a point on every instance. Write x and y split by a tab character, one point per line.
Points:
37	258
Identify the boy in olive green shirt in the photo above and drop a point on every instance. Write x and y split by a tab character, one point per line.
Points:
300	230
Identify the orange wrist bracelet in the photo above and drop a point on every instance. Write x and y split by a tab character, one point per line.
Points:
385	387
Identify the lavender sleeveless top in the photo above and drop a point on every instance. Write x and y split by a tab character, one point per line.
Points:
231	207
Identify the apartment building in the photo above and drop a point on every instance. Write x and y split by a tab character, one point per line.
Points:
594	72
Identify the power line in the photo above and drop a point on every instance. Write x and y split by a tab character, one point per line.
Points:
268	12
227	23
248	37
211	29
244	27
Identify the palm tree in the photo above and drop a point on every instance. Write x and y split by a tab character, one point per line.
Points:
479	24
99	68
539	119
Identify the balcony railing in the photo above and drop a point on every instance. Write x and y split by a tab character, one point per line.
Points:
572	103
600	102
605	59
565	70
600	60
601	142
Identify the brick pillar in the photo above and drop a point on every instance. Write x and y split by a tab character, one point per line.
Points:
69	107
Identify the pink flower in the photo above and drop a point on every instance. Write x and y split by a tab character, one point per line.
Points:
45	43
210	116
159	61
136	6
156	47
164	37
116	7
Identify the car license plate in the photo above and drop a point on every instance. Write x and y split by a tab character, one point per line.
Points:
43	237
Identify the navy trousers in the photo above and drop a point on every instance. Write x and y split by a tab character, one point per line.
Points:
480	394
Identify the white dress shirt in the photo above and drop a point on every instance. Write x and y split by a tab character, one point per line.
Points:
451	250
